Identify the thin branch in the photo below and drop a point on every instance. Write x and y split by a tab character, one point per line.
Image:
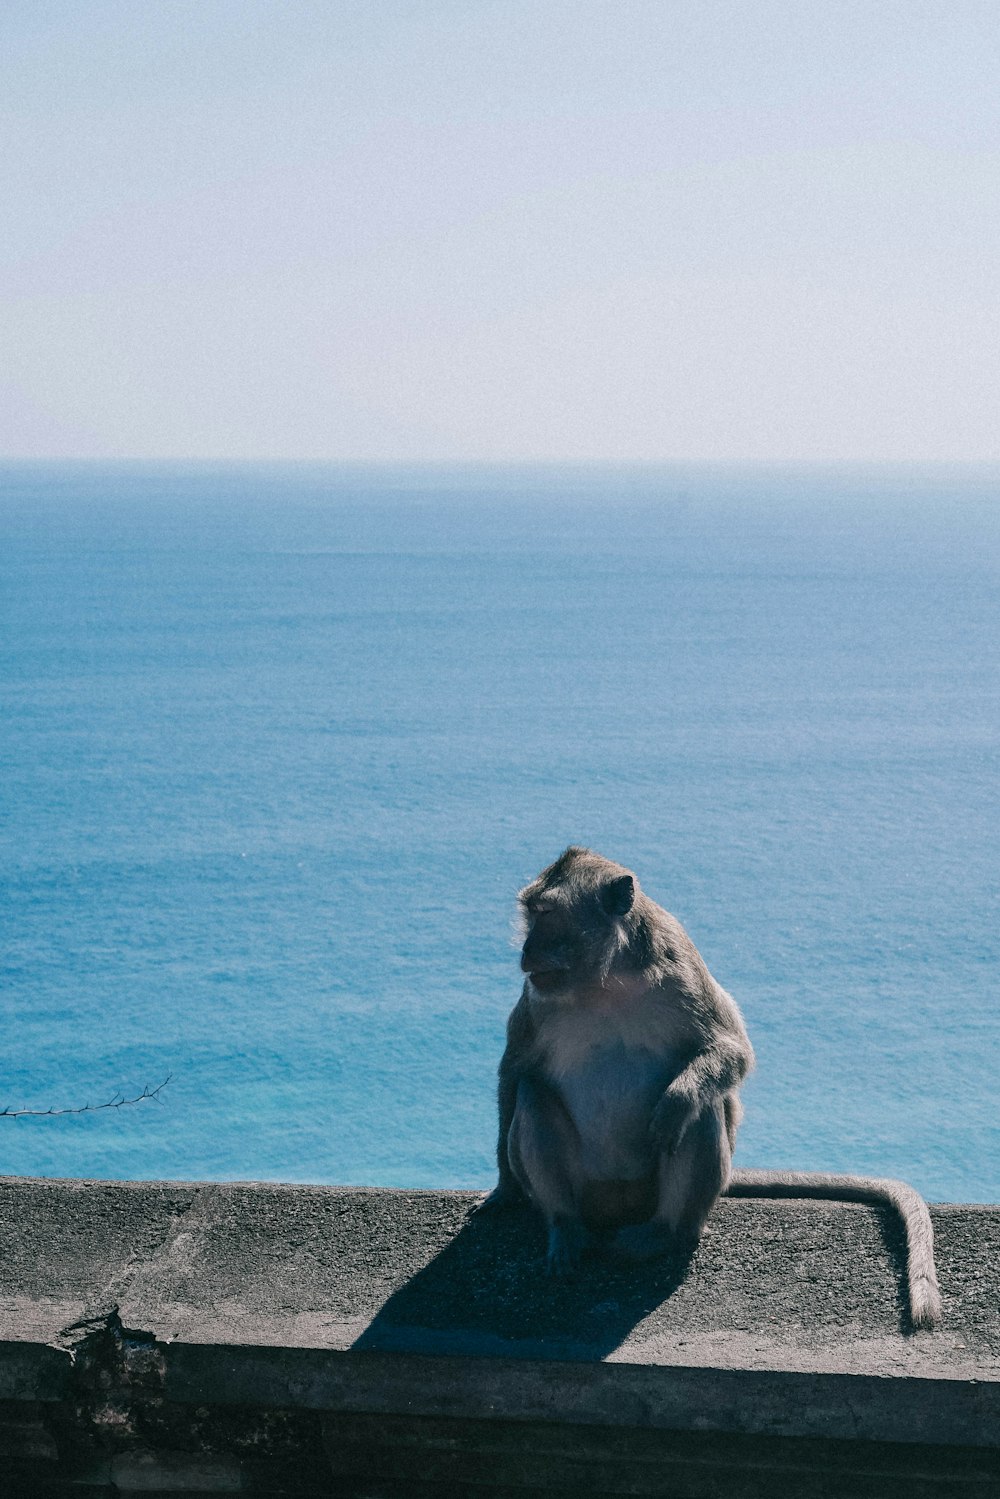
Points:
118	1102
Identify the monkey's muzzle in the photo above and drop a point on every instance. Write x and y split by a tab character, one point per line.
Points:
546	980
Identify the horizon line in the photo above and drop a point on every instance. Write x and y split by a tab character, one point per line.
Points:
508	462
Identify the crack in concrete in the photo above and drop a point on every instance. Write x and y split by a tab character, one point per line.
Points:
175	1251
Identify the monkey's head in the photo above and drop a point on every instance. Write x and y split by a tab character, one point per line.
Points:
575	920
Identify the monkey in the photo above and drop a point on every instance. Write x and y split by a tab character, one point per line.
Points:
618	1088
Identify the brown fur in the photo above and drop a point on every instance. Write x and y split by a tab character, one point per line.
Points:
617	1088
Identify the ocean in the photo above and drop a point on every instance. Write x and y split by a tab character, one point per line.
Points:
279	745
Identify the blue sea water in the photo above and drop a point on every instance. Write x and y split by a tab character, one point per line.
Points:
279	744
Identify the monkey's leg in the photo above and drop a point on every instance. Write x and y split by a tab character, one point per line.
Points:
690	1184
544	1152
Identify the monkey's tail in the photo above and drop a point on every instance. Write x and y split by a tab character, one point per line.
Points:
925	1298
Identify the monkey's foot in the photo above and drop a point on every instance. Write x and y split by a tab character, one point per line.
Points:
497	1200
649	1241
567	1240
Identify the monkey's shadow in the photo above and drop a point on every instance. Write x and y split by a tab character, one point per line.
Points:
487	1290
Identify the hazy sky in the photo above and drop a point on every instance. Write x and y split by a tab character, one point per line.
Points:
438	229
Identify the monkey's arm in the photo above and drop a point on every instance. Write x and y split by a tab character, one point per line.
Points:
925	1298
520	1034
722	1057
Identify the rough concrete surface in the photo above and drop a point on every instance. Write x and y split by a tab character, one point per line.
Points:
808	1286
342	1305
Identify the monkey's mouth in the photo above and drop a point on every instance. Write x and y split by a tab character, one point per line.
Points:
546	979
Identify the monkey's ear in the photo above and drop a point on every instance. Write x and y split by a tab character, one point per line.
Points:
618	895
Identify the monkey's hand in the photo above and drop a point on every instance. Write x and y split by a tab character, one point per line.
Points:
673	1116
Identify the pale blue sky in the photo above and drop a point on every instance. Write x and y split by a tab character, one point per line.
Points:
424	229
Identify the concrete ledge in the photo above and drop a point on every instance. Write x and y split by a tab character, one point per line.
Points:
167	1337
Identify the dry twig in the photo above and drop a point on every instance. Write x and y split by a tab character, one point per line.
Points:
118	1102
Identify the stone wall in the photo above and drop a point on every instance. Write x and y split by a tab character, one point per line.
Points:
168	1338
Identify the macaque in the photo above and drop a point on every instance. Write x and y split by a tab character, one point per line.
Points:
619	1086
